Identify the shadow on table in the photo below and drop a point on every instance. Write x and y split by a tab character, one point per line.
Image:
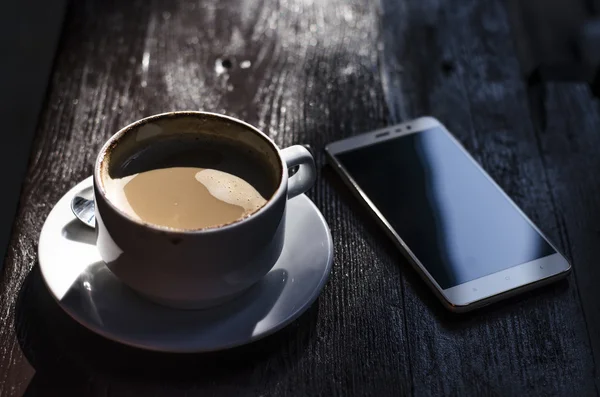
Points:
67	357
448	319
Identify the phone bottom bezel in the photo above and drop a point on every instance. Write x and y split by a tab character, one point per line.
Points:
500	285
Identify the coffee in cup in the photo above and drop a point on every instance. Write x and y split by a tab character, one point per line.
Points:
190	182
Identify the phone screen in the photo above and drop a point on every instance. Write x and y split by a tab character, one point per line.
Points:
451	216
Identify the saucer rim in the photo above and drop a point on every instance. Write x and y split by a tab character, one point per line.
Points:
253	338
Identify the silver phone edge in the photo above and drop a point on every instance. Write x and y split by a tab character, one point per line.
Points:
406	252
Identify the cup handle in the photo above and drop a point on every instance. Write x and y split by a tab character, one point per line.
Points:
302	180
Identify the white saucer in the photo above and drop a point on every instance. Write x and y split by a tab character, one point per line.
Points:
85	288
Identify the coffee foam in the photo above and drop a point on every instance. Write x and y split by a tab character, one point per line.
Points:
231	189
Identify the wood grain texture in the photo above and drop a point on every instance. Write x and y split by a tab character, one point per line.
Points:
312	72
470	79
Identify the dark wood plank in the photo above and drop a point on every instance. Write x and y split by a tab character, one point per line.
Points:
458	64
318	71
568	149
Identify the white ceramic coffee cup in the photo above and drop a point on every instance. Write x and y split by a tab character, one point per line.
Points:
197	268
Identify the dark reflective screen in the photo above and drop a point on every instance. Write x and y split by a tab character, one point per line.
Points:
459	225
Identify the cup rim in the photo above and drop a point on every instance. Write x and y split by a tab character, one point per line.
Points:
113	140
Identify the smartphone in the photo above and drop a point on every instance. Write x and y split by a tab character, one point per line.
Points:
467	239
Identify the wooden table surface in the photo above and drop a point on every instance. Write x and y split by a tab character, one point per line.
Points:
312	71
